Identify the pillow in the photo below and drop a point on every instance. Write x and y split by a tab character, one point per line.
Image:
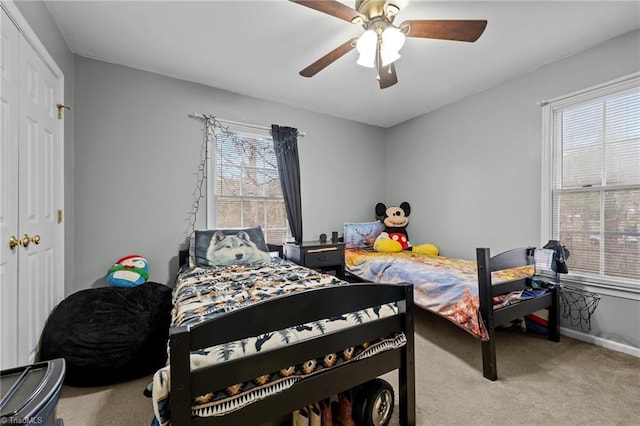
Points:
223	247
364	234
256	234
192	250
128	271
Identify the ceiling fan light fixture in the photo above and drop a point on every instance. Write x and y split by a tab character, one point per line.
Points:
392	41
366	46
367	60
393	7
379	47
388	56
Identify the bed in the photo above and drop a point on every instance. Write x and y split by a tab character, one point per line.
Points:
228	364
476	296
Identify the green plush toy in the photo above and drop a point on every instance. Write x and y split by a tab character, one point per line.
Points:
128	271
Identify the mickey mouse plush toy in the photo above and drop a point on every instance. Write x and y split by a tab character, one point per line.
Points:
395	237
395	221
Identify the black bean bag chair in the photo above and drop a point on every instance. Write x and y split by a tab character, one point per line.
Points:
109	335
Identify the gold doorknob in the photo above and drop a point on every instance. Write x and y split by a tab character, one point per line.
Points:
24	241
13	242
35	239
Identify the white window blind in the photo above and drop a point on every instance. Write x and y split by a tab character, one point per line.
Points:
595	198
246	185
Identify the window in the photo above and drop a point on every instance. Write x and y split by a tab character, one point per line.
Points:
244	184
591	182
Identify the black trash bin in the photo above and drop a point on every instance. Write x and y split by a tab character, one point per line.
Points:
29	394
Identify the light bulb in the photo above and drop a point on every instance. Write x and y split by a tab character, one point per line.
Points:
388	56
392	41
366	46
392	7
393	38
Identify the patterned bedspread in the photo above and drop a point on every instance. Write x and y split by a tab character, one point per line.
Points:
203	293
445	286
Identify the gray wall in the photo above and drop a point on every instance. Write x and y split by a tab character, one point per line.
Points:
137	152
473	168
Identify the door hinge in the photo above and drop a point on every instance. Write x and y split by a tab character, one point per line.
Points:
61	108
59	216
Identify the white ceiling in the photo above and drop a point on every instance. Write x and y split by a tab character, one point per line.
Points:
257	48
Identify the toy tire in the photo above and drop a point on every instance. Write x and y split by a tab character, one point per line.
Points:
373	404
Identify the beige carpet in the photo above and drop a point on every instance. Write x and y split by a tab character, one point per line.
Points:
539	383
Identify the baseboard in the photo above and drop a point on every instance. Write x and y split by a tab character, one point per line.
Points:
599	341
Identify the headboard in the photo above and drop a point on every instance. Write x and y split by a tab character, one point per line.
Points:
183	257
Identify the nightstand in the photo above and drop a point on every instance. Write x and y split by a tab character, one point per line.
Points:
324	257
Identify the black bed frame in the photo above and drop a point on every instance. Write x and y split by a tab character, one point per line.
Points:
496	317
493	318
288	311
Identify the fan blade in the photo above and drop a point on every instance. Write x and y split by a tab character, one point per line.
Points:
330	7
458	30
387	76
329	58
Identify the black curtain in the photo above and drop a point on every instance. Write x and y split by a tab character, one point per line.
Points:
285	141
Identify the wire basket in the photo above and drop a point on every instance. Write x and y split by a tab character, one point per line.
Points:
578	306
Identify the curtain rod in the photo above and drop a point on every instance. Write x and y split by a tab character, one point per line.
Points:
251	126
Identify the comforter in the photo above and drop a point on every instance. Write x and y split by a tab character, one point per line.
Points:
445	286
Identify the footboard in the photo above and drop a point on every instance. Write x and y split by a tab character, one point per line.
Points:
493	317
290	311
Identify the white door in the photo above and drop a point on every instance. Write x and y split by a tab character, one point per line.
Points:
9	109
36	191
38	188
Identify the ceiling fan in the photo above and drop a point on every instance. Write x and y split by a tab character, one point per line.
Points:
381	42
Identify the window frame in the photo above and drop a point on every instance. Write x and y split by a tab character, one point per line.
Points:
241	129
625	287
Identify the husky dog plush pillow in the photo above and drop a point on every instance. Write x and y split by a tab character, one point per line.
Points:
222	247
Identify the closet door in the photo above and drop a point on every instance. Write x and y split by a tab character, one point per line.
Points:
31	186
9	110
38	194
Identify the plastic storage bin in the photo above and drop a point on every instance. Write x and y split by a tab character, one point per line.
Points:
29	394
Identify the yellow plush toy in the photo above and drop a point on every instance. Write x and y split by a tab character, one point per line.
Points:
384	244
429	249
